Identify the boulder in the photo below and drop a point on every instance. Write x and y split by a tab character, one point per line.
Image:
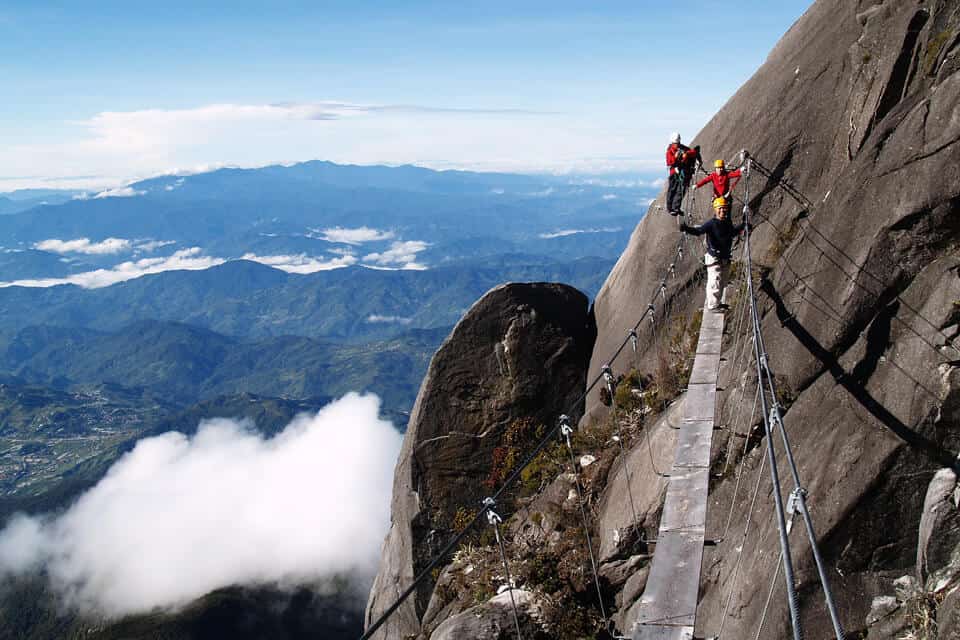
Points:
493	620
511	366
939	524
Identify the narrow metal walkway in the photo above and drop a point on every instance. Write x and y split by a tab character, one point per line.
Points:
668	607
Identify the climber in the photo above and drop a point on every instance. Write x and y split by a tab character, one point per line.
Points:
721	179
720	233
682	161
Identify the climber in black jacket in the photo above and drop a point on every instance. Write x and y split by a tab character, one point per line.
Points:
720	234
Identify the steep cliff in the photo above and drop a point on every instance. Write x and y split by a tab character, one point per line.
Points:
853	122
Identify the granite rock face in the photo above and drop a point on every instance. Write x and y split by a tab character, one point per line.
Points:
517	357
854	122
854	125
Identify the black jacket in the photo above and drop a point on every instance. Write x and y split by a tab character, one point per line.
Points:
720	235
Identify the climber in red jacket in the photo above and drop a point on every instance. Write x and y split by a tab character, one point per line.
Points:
682	161
723	181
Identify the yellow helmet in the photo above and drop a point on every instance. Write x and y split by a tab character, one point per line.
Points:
719	202
718	164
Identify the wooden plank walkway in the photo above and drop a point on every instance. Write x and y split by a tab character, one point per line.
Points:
668	607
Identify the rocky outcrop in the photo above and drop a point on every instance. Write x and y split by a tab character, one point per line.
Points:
512	364
855	124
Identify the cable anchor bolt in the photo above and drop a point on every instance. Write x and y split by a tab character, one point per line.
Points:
565	429
793	502
634	338
608	379
492	516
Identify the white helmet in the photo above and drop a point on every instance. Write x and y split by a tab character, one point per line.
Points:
675	138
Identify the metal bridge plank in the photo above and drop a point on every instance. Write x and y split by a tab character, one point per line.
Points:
705	368
711	333
686	505
651	632
670	597
711	321
668	607
700	403
693	444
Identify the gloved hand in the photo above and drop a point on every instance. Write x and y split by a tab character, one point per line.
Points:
683	227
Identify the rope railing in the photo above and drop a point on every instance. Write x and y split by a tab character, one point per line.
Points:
771	412
792	598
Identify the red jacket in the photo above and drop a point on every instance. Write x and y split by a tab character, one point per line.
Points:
680	157
721	182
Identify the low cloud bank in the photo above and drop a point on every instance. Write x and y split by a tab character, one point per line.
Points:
375	318
180	516
188	259
400	255
302	263
83	245
355	236
571	232
109	246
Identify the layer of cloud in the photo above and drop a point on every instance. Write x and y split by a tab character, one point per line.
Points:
302	263
121	192
189	259
152	245
376	318
114	147
178	517
109	246
355	236
83	245
400	255
571	232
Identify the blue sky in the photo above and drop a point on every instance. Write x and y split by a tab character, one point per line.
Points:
105	92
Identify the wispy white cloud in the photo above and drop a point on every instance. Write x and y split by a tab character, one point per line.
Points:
109	246
223	507
83	245
354	236
570	232
115	146
189	259
301	263
120	192
375	318
401	254
609	196
549	191
152	245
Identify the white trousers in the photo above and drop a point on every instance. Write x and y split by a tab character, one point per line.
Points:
717	274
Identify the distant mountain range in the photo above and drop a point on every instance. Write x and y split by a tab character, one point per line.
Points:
24	199
183	364
257	294
248	299
379	216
